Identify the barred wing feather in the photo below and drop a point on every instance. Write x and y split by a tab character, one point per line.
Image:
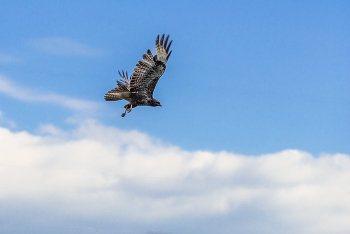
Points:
143	73
148	71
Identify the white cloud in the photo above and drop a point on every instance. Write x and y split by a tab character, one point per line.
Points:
125	177
64	46
25	94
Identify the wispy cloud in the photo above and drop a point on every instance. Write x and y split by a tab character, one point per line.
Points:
25	94
7	122
64	46
4	58
97	172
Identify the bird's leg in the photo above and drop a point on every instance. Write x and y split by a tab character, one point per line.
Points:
130	108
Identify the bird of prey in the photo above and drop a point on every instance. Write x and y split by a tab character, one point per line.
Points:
138	90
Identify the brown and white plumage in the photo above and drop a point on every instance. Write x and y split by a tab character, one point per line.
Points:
138	90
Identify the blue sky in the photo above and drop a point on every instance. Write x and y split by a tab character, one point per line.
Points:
247	79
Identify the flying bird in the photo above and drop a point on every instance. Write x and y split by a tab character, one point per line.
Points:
138	90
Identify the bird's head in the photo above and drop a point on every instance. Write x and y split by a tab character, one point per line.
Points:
155	102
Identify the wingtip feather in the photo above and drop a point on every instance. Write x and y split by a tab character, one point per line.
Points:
167	57
167	49
162	39
166	41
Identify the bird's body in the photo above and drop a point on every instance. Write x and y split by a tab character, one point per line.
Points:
138	90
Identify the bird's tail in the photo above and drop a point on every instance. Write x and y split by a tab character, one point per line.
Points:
116	95
120	92
162	49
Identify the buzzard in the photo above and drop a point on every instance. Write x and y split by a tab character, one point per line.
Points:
138	90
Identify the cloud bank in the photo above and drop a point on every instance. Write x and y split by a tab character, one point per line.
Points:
25	94
99	179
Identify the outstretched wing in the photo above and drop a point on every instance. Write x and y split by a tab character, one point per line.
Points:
150	69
